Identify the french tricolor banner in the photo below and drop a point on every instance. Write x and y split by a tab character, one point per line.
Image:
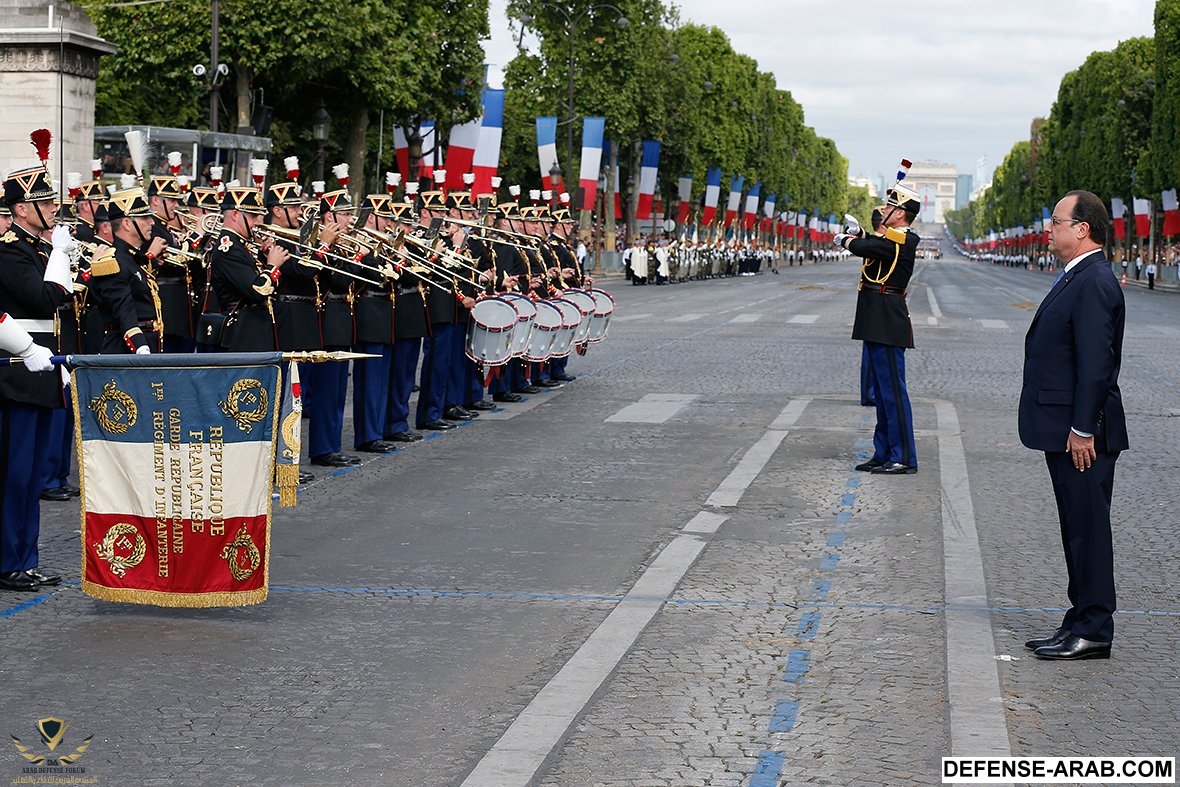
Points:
768	213
735	197
176	464
429	133
461	152
1118	214
712	195
649	167
591	163
547	150
401	150
487	149
1171	213
1142	217
684	194
751	214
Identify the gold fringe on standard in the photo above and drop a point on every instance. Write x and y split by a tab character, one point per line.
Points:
161	598
287	479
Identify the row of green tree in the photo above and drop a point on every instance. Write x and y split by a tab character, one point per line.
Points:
1112	131
404	62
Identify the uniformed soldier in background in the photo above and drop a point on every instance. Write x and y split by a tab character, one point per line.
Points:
122	283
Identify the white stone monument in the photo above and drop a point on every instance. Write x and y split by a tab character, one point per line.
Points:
48	65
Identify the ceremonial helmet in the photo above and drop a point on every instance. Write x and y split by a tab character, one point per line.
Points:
128	204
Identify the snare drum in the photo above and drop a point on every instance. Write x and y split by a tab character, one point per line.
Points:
585	303
547	325
489	334
571	320
604	307
526	312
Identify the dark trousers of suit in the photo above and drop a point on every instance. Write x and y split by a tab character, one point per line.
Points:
402	369
459	371
893	439
370	392
24	430
1083	506
325	390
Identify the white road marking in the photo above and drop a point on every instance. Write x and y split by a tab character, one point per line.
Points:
803	319
652	409
937	312
932	321
978	726
685	318
746	318
704	522
998	324
738	481
628	317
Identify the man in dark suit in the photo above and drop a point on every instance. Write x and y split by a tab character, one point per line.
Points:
1071	409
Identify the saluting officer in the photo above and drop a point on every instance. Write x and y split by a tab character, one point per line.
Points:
34	281
883	322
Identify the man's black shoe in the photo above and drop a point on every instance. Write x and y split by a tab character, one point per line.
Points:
506	397
1074	648
1056	638
872	464
57	494
482	404
457	414
376	447
17	580
73	490
48	580
894	468
436	426
305	477
403	437
563	377
334	460
528	389
547	384
868	403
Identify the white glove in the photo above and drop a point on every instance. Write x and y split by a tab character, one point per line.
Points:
62	239
145	350
852	226
58	268
13	338
37	358
840	239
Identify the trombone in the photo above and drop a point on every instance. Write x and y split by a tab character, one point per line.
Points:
275	233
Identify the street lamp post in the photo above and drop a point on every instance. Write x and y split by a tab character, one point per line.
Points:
321	126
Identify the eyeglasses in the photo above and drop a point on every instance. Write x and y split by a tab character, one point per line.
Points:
1056	221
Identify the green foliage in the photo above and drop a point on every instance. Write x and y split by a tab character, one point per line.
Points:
1161	163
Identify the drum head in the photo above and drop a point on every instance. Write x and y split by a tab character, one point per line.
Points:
494	314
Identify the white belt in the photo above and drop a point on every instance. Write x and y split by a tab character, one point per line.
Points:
36	326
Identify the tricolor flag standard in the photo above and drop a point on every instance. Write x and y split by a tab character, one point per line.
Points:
1142	217
591	163
751	214
461	152
735	197
1171	213
547	150
1118	214
176	462
712	195
487	149
649	167
684	193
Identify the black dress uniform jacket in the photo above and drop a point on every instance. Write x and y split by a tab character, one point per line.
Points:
25	295
244	291
175	289
881	312
297	302
122	289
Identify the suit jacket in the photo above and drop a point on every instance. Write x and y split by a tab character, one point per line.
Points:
1072	354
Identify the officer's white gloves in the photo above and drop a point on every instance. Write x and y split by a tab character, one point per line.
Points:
17	341
58	269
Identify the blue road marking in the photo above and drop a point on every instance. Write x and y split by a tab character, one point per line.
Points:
828	562
784	716
819	590
21	607
853	482
843	518
797	664
770	766
808	625
848	499
836	538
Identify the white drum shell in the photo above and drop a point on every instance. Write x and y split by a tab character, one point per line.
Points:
571	320
490	332
547	326
604	308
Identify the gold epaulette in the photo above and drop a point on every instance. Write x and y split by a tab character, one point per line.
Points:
895	235
104	263
8	237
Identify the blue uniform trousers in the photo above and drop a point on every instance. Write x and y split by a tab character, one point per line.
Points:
893	440
370	392
459	370
325	389
402	368
24	432
60	446
866	378
436	364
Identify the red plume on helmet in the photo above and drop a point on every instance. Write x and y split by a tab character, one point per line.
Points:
41	139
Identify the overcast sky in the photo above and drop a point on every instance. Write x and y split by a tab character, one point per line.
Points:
947	80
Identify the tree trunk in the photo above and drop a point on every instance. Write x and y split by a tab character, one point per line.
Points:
356	152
